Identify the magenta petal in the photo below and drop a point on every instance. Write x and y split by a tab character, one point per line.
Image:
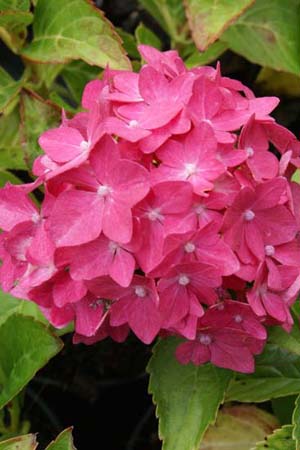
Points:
91	260
61	144
76	218
192	351
117	222
15	207
122	267
67	290
89	316
144	319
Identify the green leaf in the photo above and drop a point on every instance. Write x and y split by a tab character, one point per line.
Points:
6	176
14	18
277	374
187	397
273	82
43	74
197	58
287	341
9	89
11	153
37	115
26	346
64	441
268	34
65	30
26	442
76	75
281	439
145	36
238	427
170	15
129	43
208	19
283	408
296	422
10	305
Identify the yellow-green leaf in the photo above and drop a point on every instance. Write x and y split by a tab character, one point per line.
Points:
268	34
208	19
66	30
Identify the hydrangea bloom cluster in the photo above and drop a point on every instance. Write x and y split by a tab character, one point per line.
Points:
168	210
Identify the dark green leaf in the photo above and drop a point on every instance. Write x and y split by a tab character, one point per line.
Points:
76	75
287	341
170	15
14	18
11	153
129	43
283	408
187	397
272	82
64	441
9	89
268	34
6	176
197	58
277	374
26	346
208	19
65	30
37	116
145	36
281	439
296	422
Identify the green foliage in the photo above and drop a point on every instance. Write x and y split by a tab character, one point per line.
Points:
76	75
197	58
14	19
68	30
170	15
9	89
277	374
281	439
64	441
296	422
238	427
208	20
273	30
187	397
26	442
145	36
11	153
26	346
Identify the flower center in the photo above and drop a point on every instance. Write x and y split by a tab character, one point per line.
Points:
205	339
154	214
113	246
84	145
133	123
249	215
190	169
249	151
269	250
95	304
35	217
238	318
189	247
183	280
140	291
103	191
